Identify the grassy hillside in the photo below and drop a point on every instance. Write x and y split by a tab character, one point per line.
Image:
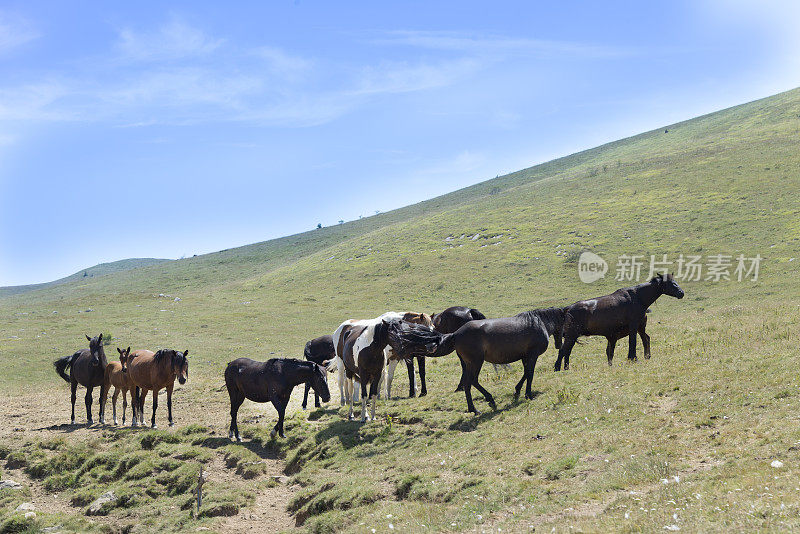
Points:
98	270
685	439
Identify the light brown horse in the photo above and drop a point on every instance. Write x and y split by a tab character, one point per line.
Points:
117	376
151	372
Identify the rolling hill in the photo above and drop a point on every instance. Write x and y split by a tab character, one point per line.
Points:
98	270
686	440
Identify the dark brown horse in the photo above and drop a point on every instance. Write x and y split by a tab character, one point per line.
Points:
613	316
154	371
86	367
506	340
117	376
319	350
451	320
272	380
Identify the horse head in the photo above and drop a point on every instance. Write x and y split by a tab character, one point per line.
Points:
180	365
124	358
319	382
668	286
418	318
96	349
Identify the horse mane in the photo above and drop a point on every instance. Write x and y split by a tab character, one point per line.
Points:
162	353
553	318
405	337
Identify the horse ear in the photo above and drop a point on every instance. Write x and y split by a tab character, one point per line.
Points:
87	337
129	350
185	353
100	337
120	350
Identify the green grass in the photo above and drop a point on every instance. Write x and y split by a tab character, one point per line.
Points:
598	449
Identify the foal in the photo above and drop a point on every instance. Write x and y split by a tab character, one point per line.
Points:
272	380
319	350
117	376
621	312
154	371
86	367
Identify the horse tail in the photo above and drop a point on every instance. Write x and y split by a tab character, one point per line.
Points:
307	351
61	365
409	339
476	315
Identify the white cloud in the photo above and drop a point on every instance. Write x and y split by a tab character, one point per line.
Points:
14	32
492	45
282	62
403	77
174	40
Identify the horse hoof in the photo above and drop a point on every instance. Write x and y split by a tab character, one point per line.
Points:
272	434
171	424
239	439
154	426
282	435
423	393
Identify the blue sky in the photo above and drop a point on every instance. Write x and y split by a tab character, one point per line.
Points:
154	129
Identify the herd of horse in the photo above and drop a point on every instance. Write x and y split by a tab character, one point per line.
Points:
366	352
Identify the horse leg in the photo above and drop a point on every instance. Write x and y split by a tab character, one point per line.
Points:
564	352
518	387
529	366
141	406
412	386
236	401
391	365
102	414
169	404
486	394
305	395
634	329
645	341
88	400
280	406
373	393
114	405
424	390
612	342
557	339
74	391
363	390
462	382
124	405
351	395
134	406
155	406
342	378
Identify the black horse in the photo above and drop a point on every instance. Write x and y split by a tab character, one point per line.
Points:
272	380
506	340
621	313
319	350
87	367
451	320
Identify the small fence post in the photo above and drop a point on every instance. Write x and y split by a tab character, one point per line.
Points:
200	481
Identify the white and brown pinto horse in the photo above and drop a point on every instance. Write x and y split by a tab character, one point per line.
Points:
363	355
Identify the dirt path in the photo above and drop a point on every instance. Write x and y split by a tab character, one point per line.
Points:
41	417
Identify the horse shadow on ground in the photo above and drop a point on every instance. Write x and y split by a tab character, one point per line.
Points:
266	451
68	428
